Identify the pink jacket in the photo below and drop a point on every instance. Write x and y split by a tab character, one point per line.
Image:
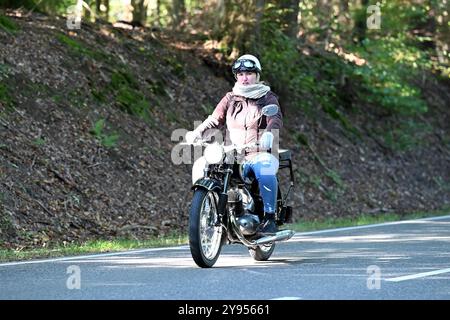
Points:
243	118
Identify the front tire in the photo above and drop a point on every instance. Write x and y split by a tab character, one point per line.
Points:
262	252
205	238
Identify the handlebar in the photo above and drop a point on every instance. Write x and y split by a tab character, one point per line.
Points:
226	149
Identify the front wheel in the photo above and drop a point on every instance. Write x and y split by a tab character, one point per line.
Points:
205	238
262	252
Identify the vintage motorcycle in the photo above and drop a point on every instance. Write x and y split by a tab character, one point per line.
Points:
227	207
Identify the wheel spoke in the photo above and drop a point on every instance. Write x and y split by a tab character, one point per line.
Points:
210	235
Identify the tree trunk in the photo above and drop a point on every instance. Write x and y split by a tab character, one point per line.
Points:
344	19
158	13
16	4
289	23
360	22
220	9
102	4
86	12
259	12
139	12
178	13
438	28
240	26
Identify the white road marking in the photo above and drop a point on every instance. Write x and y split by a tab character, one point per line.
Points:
186	247
373	225
418	275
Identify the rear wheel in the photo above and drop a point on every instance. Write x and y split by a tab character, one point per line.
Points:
205	238
262	252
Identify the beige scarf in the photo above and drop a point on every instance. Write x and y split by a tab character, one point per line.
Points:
252	91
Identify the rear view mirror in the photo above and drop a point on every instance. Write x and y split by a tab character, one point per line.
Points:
270	110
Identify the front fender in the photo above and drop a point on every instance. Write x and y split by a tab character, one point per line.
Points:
208	184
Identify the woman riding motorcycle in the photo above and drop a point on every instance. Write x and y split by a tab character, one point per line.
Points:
240	111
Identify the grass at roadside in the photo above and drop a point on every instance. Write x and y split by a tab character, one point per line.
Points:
91	247
102	246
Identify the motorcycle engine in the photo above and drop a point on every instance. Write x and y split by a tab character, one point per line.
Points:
248	223
235	203
241	204
240	201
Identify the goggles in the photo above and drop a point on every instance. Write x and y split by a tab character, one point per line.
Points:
244	65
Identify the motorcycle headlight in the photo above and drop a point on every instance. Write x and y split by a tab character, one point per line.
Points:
213	153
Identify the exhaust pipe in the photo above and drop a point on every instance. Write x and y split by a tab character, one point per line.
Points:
279	236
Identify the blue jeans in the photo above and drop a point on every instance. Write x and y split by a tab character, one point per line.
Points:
264	167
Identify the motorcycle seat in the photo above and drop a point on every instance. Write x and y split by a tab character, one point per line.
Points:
284	154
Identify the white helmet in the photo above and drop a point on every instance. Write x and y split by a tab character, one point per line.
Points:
247	62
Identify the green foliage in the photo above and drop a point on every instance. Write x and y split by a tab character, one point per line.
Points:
332	193
312	80
39	142
172	117
45	6
157	88
301	138
6	224
335	114
207	109
79	48
4	71
126	93
309	81
107	140
72	44
8	25
393	61
128	96
5	97
283	65
29	4
316	181
443	185
336	178
400	16
385	77
123	78
110	141
98	127
91	246
176	67
133	102
98	95
405	134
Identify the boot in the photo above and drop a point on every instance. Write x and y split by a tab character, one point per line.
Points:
268	227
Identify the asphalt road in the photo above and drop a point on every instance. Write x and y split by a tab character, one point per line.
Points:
402	260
